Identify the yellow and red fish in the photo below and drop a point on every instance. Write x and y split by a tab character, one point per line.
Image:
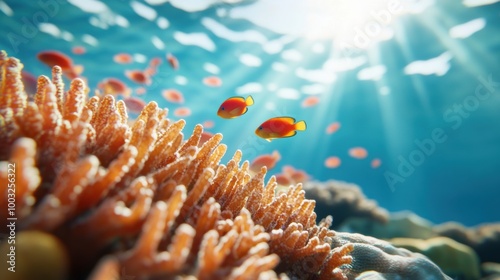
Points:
279	127
234	107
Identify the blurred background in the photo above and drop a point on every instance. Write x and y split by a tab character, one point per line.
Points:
400	97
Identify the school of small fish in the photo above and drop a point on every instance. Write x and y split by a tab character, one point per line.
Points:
231	108
137	82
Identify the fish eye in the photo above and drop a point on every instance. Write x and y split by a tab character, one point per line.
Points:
260	127
222	108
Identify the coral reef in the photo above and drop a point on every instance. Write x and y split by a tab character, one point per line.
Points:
484	239
491	271
455	259
476	244
343	201
142	199
399	224
378	259
126	199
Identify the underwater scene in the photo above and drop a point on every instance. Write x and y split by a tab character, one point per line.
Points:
334	139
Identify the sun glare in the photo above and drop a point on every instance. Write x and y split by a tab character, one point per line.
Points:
345	20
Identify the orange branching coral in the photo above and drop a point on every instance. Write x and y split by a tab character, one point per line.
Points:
160	220
145	201
308	254
27	177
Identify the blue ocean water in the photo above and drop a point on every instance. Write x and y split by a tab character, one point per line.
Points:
422	96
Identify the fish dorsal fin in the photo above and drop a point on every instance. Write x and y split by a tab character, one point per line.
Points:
289	120
301	125
236	98
249	100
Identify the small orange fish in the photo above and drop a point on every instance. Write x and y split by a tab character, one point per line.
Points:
138	76
333	162
212	81
208	124
300	176
310	101
234	107
332	128
376	163
279	127
52	58
155	62
182	112
78	50
296	175
114	87
173	95
172	60
152	68
358	152
123	58
134	104
267	160
205	136
283	180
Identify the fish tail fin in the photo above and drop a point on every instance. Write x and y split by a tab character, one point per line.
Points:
249	100
300	125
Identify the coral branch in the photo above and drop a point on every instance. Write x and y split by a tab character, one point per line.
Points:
196	194
121	215
24	178
160	220
73	106
58	206
57	81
